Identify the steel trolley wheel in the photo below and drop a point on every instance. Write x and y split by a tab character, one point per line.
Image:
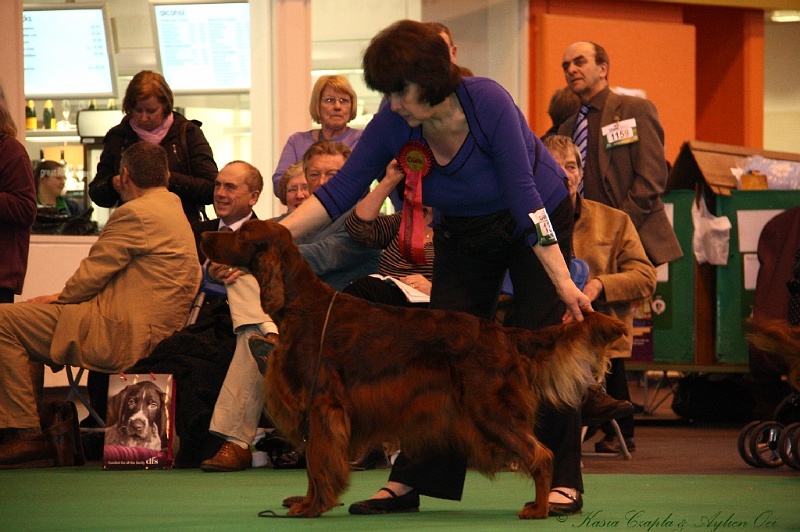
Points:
787	449
744	444
763	442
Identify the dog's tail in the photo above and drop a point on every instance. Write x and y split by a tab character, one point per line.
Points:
566	358
780	338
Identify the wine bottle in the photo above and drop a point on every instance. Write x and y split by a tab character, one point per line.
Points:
112	103
93	105
30	115
49	115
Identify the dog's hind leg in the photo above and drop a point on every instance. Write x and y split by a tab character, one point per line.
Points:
326	458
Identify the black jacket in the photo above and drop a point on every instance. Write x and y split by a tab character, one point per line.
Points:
191	165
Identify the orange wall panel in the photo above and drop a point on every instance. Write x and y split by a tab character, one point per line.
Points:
658	57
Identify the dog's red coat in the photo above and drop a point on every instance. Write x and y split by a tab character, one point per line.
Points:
432	379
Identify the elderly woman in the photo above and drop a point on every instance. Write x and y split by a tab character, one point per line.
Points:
497	190
332	106
293	187
149	116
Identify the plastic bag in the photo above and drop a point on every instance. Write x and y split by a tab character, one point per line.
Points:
711	239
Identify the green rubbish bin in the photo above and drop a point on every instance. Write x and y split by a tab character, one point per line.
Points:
673	303
734	297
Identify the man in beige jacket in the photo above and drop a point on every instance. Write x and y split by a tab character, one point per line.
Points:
133	290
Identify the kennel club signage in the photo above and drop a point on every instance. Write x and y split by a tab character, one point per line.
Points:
139	422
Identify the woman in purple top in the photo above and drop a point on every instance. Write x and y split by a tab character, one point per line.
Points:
333	105
494	185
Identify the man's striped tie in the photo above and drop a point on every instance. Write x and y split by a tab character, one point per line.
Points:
580	137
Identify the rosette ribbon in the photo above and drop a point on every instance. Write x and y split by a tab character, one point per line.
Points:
416	160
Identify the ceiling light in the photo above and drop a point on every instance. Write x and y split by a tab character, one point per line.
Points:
785	16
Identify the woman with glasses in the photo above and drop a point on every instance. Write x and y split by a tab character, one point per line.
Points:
293	187
149	116
333	105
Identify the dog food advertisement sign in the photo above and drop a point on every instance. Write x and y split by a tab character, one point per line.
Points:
139	422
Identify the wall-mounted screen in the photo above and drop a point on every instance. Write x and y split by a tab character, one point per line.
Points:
204	48
66	52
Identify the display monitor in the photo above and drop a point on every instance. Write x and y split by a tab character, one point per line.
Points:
204	48
66	52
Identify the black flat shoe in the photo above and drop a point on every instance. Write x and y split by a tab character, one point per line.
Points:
391	505
566	508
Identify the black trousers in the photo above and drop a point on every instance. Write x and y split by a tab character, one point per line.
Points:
472	255
617	387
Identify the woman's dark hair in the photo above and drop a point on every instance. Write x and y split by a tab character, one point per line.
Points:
411	52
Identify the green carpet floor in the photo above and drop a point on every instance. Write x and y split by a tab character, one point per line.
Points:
88	498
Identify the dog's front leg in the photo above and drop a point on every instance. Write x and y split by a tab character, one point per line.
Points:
326	458
540	467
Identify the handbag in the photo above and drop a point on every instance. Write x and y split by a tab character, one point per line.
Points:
140	422
59	420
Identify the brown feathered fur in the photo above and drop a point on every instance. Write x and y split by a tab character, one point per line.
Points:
433	379
778	337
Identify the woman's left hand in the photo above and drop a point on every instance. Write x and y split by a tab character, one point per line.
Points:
576	301
418	282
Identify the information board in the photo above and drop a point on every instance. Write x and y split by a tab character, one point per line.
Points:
204	48
66	53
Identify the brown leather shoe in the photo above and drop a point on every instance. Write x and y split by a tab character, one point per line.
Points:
600	407
26	448
230	457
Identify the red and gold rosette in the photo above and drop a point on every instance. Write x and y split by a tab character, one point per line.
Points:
416	160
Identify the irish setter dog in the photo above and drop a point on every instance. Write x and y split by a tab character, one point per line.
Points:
348	373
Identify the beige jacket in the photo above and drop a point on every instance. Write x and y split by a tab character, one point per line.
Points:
134	288
606	239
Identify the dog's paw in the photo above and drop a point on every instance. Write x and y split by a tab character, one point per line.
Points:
532	511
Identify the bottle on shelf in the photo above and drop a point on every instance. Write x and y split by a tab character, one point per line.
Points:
49	115
93	105
112	103
30	116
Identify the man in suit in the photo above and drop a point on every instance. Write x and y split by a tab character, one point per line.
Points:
134	289
624	164
333	256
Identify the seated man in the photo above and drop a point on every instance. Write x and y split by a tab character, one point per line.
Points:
619	274
133	290
335	258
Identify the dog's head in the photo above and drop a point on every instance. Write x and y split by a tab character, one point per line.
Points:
139	410
259	245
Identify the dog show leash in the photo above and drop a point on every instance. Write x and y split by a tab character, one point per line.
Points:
307	416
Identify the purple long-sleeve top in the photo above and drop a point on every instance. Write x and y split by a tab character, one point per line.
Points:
492	171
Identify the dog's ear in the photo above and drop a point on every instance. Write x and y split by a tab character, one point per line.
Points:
270	278
267	239
114	408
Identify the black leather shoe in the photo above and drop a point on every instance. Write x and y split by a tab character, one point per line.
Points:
374	458
573	507
261	347
612	446
600	407
391	505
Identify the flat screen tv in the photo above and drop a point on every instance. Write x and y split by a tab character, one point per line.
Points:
204	48
66	52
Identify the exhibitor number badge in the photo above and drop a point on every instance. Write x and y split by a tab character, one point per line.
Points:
620	133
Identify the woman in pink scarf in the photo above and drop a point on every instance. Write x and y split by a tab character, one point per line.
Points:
149	116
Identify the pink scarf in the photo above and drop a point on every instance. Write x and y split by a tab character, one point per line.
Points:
157	135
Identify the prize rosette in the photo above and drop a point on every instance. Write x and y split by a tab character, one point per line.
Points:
416	160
